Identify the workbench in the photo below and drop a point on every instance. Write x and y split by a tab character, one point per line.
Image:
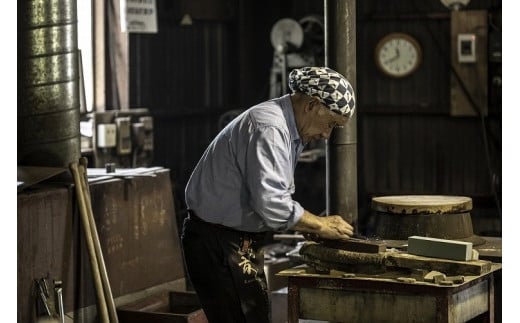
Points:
346	297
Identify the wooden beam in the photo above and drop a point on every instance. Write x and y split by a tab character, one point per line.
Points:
449	267
337	259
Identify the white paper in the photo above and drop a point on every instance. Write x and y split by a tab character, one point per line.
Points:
138	16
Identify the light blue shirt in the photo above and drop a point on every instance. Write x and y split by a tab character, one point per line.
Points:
245	178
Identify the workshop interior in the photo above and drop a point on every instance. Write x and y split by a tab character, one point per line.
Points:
118	99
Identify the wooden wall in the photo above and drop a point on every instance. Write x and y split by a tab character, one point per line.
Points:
408	143
188	76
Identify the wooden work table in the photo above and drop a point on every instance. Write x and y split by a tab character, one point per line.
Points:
345	297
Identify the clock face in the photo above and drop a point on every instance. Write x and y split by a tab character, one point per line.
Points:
398	55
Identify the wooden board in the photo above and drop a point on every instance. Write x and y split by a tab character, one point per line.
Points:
446	266
329	258
338	300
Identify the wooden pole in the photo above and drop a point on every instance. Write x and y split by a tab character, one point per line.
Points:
97	245
102	305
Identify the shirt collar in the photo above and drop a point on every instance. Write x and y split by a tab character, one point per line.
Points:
288	113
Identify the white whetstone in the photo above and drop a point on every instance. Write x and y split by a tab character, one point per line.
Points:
440	248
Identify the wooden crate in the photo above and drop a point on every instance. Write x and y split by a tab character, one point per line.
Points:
164	307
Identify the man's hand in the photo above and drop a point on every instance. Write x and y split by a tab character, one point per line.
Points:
331	227
334	227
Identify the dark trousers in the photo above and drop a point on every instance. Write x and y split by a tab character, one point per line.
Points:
226	268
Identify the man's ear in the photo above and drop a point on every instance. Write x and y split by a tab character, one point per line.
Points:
313	103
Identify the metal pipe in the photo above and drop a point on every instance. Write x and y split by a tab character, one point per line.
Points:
340	55
327	150
58	290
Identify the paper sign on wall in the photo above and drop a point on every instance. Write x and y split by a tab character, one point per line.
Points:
138	16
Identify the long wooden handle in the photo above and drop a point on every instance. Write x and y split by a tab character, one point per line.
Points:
97	245
102	305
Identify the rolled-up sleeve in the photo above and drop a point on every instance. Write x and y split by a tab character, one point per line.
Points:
270	178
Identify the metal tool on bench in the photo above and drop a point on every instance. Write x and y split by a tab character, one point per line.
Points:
46	301
356	244
58	292
43	296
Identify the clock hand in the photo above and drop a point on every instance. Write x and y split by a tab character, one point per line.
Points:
393	58
390	60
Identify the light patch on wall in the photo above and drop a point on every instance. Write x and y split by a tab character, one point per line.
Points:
86	48
186	20
138	16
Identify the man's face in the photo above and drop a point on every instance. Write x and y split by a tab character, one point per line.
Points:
318	121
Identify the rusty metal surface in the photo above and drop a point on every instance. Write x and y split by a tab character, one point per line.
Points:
136	222
48	126
340	55
138	232
49	98
40	13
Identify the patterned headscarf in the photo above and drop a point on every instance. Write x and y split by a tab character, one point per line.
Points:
327	85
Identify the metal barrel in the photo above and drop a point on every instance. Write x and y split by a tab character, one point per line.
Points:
48	113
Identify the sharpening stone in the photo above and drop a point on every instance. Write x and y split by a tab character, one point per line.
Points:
440	248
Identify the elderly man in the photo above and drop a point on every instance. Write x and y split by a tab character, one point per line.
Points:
242	188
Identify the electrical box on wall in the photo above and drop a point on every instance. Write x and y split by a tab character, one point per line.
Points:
124	138
466	48
106	135
469	60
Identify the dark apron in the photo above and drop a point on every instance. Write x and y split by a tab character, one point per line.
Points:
226	268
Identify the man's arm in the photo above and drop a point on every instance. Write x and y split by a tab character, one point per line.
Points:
327	227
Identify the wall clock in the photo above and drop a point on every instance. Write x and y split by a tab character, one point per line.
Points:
398	54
